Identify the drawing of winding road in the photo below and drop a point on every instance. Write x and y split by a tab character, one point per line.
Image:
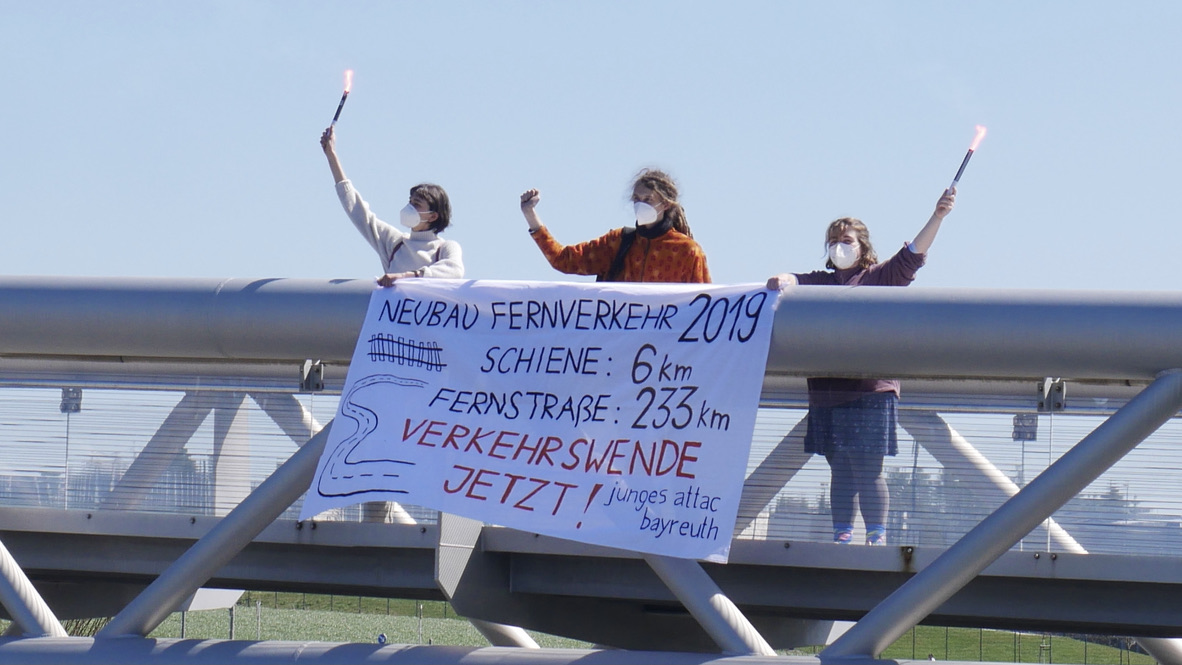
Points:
362	461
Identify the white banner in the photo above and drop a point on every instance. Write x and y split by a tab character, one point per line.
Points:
615	414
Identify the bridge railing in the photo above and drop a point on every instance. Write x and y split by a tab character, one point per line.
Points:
183	394
200	448
959	461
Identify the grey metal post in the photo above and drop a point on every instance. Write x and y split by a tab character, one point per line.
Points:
234	532
718	616
996	534
26	607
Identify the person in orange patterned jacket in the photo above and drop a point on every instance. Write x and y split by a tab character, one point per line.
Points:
660	249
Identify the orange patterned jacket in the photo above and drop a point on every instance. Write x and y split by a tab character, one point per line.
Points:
670	257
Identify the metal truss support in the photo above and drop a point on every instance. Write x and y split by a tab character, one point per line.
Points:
26	607
1167	651
386	512
231	452
461	573
953	451
299	424
289	414
957	454
160	451
772	474
469	581
718	616
501	635
234	532
996	534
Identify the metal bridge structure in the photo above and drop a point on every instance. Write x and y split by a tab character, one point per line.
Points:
157	437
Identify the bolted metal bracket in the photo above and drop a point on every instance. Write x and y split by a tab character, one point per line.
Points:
71	400
312	377
1052	395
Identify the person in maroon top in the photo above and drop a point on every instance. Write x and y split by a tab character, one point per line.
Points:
852	421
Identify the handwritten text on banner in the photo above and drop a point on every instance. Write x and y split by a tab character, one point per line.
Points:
618	415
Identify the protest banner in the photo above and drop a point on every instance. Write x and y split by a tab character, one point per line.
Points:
614	414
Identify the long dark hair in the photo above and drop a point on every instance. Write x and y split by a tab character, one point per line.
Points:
838	227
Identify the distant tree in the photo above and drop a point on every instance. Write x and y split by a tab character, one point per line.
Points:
918	506
1112	506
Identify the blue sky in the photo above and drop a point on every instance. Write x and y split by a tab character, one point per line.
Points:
181	139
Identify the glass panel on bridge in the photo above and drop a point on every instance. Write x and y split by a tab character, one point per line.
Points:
188	449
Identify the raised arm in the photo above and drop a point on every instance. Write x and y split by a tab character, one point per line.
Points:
380	235
529	204
927	235
328	141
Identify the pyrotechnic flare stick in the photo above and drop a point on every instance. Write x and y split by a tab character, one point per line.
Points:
348	85
976	142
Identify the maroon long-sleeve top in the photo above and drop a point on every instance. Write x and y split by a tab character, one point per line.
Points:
899	270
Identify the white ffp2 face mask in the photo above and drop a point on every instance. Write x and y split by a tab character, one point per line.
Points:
843	256
645	213
409	217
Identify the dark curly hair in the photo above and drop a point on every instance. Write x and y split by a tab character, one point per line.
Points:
838	227
664	186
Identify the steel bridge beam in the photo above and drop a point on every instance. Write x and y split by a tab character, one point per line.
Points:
819	331
716	613
234	532
996	534
28	610
89	651
955	453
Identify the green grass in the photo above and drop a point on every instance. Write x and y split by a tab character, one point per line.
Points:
300	617
358	605
310	617
1003	647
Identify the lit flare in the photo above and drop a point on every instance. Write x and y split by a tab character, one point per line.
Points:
972	148
976	139
348	86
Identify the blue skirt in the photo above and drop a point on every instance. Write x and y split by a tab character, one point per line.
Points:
865	425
